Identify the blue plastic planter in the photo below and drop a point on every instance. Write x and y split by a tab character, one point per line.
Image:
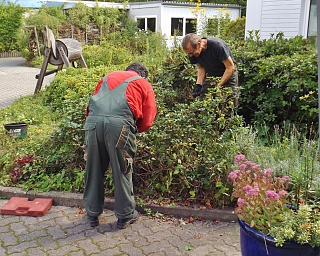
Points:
253	243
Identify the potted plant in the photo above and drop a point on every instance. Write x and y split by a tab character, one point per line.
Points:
269	223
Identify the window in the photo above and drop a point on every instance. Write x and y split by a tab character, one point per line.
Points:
312	24
147	24
151	24
191	25
141	23
176	26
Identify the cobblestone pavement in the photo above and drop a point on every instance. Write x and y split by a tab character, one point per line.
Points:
64	230
16	80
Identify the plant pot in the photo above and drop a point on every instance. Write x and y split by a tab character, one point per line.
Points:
17	130
254	243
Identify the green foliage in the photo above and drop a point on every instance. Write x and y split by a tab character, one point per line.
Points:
188	152
107	19
187	147
188	143
176	78
79	15
51	17
217	26
301	226
41	122
10	23
106	54
234	30
278	77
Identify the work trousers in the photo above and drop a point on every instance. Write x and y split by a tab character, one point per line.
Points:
109	140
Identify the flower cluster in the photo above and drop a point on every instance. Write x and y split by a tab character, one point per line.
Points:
262	198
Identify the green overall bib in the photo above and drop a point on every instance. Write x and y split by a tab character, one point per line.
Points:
110	137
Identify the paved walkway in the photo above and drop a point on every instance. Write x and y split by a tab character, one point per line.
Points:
64	230
16	80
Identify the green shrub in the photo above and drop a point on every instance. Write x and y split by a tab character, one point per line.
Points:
106	54
10	25
187	152
278	77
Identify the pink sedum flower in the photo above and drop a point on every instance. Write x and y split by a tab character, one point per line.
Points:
232	175
240	202
238	159
286	179
260	195
247	188
283	193
268	172
254	191
242	166
270	194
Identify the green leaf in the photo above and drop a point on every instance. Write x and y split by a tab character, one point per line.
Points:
188	247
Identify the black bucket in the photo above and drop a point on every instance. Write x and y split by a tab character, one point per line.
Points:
17	130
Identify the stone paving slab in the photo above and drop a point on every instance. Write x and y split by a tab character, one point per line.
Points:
65	231
17	79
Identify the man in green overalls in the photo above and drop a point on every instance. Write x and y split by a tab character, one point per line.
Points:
122	105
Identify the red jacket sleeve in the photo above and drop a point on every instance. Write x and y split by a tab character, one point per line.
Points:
142	102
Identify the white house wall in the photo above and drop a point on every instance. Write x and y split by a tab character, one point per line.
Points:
146	10
164	11
280	16
253	16
184	12
273	16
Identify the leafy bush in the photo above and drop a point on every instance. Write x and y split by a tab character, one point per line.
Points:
10	24
278	77
235	29
186	153
51	17
106	54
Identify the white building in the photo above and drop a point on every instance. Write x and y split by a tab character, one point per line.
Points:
166	17
292	17
170	17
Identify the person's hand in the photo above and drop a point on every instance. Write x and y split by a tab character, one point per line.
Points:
196	90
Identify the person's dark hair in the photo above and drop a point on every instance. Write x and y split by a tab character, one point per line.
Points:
139	68
191	38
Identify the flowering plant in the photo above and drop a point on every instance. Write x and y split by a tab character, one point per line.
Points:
263	203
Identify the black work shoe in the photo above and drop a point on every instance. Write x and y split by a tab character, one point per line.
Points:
124	223
94	221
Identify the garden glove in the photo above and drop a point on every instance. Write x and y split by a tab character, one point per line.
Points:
196	90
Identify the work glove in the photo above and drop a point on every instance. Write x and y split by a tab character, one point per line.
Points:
196	90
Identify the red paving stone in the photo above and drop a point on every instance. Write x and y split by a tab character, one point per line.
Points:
23	207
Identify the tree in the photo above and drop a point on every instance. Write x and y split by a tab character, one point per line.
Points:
10	23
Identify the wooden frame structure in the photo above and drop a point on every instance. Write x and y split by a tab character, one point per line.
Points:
58	53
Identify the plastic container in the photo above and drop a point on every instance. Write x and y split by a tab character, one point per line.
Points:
17	130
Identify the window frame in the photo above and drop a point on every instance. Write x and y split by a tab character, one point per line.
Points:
185	29
146	22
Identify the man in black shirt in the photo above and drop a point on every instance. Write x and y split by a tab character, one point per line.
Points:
214	59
